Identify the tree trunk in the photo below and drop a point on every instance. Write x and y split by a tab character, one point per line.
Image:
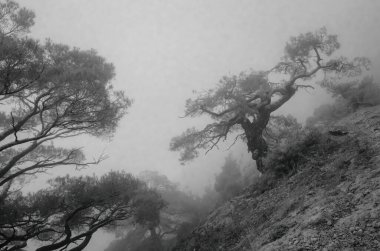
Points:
256	143
155	240
83	244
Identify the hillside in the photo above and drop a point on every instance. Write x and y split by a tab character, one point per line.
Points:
332	201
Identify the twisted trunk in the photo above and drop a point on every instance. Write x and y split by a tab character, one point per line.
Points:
256	143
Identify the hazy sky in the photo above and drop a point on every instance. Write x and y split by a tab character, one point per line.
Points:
162	50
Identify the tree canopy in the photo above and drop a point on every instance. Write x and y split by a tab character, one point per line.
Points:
65	215
162	220
242	105
49	91
229	183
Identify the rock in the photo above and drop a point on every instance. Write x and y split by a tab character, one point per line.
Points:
338	132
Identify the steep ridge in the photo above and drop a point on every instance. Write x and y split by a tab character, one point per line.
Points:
332	202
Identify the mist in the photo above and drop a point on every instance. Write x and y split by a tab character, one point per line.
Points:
164	50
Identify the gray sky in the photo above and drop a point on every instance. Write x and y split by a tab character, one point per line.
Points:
162	50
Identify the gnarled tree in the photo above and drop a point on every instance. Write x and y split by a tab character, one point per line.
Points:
243	104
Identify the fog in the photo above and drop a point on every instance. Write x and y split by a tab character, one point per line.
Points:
163	50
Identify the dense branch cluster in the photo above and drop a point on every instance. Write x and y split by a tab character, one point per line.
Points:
70	211
47	92
242	105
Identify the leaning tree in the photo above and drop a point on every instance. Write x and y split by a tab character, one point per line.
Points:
242	105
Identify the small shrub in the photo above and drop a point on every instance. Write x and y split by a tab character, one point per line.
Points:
328	113
277	233
283	132
349	97
363	93
286	158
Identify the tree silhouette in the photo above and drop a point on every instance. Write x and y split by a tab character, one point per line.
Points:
242	105
67	214
49	92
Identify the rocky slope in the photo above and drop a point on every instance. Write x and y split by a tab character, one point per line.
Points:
332	202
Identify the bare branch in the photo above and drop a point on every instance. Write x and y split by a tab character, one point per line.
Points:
318	56
305	86
217	114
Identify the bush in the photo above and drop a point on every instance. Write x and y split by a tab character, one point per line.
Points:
357	94
349	96
286	158
285	135
328	113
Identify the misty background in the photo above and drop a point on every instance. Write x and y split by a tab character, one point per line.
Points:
163	50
